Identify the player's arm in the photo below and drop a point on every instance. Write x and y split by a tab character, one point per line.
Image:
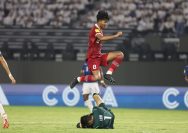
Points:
109	37
5	66
97	99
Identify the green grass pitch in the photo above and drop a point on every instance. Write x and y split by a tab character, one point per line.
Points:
25	119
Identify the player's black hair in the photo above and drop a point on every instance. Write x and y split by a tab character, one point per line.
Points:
102	15
78	125
84	120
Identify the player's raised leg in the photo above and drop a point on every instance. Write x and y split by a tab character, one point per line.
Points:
116	57
4	117
88	78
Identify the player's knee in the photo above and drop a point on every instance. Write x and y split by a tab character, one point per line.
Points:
85	97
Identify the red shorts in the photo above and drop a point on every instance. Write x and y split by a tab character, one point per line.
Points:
95	63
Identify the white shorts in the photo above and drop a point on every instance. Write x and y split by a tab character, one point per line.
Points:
90	88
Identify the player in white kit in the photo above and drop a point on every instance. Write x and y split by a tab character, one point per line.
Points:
2	111
90	87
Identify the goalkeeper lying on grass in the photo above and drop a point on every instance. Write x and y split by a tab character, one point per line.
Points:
101	117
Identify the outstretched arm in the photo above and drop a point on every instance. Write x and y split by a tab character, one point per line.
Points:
110	37
5	66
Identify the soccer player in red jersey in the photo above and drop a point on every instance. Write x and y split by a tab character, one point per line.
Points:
95	58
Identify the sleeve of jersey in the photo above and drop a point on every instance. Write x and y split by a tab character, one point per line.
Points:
97	31
0	53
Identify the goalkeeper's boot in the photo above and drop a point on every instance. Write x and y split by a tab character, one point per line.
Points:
74	83
109	78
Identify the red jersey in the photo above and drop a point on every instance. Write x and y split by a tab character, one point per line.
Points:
95	45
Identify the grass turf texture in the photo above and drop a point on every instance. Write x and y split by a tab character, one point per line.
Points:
24	119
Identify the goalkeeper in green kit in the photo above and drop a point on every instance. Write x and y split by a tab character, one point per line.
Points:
100	118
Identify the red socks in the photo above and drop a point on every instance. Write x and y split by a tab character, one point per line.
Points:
115	64
87	78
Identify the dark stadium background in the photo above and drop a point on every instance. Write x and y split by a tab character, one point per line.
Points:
45	41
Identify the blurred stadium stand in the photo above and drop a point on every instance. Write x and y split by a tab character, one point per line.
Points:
58	29
24	43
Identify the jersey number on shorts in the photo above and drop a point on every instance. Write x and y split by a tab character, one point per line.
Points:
94	66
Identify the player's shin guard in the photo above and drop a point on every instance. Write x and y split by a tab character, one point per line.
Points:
115	64
89	104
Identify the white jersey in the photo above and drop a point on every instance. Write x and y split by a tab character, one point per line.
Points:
90	88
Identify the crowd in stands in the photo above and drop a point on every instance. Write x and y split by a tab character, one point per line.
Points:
27	13
141	16
168	16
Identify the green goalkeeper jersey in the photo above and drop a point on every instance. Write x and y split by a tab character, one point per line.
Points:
103	117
